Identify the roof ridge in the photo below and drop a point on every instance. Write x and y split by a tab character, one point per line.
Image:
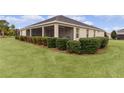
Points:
66	19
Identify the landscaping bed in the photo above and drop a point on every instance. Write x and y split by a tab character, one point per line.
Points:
83	46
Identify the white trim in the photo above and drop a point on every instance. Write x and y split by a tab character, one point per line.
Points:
56	30
42	31
30	32
74	33
60	22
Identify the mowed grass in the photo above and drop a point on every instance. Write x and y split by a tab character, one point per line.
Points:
20	59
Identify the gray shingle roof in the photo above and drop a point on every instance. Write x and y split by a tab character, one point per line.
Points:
121	30
66	19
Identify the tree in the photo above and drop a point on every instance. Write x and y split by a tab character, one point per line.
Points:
12	27
113	34
12	30
6	29
4	26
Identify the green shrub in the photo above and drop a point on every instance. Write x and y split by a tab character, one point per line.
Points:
51	42
29	39
73	46
103	41
44	41
16	37
25	38
39	40
22	38
61	43
34	40
89	45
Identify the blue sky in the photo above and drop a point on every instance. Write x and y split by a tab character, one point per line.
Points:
107	22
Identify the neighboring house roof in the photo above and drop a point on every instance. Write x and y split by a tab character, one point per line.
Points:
65	19
121	30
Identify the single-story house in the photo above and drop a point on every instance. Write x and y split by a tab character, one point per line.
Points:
120	34
62	27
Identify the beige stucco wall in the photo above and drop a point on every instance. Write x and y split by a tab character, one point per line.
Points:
23	33
91	33
82	33
99	34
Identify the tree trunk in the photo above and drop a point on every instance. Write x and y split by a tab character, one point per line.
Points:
2	33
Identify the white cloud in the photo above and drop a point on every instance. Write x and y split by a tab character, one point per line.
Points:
23	20
107	29
88	22
33	17
81	19
11	19
117	28
109	18
76	17
50	16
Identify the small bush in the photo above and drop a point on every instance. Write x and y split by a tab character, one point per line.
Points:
29	39
61	43
39	40
73	46
44	41
103	41
34	40
89	45
22	38
51	42
16	37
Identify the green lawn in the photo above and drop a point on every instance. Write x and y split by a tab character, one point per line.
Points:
20	59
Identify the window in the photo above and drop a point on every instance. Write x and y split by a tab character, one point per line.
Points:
77	33
87	33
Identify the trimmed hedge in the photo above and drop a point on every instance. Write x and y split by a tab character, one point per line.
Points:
22	38
89	45
51	42
73	46
61	43
103	41
34	40
44	41
29	39
17	37
83	46
39	40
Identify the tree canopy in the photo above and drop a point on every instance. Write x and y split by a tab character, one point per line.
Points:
6	28
114	34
